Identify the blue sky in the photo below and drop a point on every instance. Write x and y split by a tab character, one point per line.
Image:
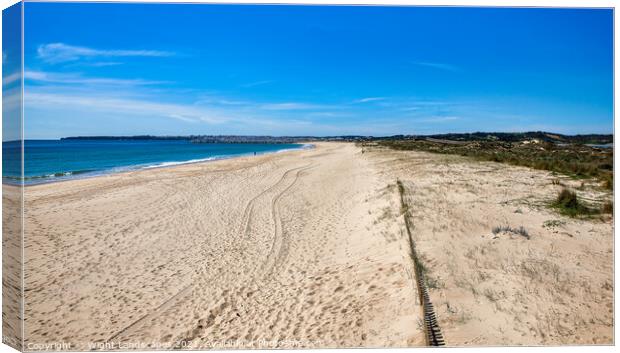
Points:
124	69
11	73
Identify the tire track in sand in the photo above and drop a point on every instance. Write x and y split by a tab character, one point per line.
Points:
180	296
249	207
280	245
276	254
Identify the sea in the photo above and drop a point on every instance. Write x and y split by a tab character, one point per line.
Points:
56	160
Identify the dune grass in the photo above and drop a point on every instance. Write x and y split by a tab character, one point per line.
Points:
574	160
567	203
507	229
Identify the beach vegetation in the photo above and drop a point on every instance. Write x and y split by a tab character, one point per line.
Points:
567	203
577	161
507	229
553	223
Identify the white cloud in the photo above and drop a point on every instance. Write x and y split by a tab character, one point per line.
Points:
116	105
102	64
183	118
369	99
140	101
137	97
54	53
72	78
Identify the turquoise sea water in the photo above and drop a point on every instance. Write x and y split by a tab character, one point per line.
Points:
53	160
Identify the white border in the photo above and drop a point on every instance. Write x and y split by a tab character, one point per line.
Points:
471	3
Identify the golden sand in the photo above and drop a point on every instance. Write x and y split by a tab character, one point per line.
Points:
308	248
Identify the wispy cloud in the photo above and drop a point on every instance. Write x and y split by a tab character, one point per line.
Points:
369	99
117	105
142	103
45	101
257	83
328	114
438	66
11	99
212	99
54	53
102	64
71	78
52	92
290	106
10	78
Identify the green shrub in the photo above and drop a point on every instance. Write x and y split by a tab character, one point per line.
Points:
568	204
567	198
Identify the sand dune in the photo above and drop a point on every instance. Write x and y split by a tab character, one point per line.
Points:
555	287
295	249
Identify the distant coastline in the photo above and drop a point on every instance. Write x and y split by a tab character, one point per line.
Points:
84	156
593	139
241	139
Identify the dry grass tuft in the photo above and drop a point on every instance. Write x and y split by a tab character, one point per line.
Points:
507	229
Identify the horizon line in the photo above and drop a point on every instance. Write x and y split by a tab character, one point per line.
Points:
306	136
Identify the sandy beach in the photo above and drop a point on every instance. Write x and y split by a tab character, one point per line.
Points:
11	266
308	248
290	249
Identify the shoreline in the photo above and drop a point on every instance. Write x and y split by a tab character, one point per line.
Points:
143	167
